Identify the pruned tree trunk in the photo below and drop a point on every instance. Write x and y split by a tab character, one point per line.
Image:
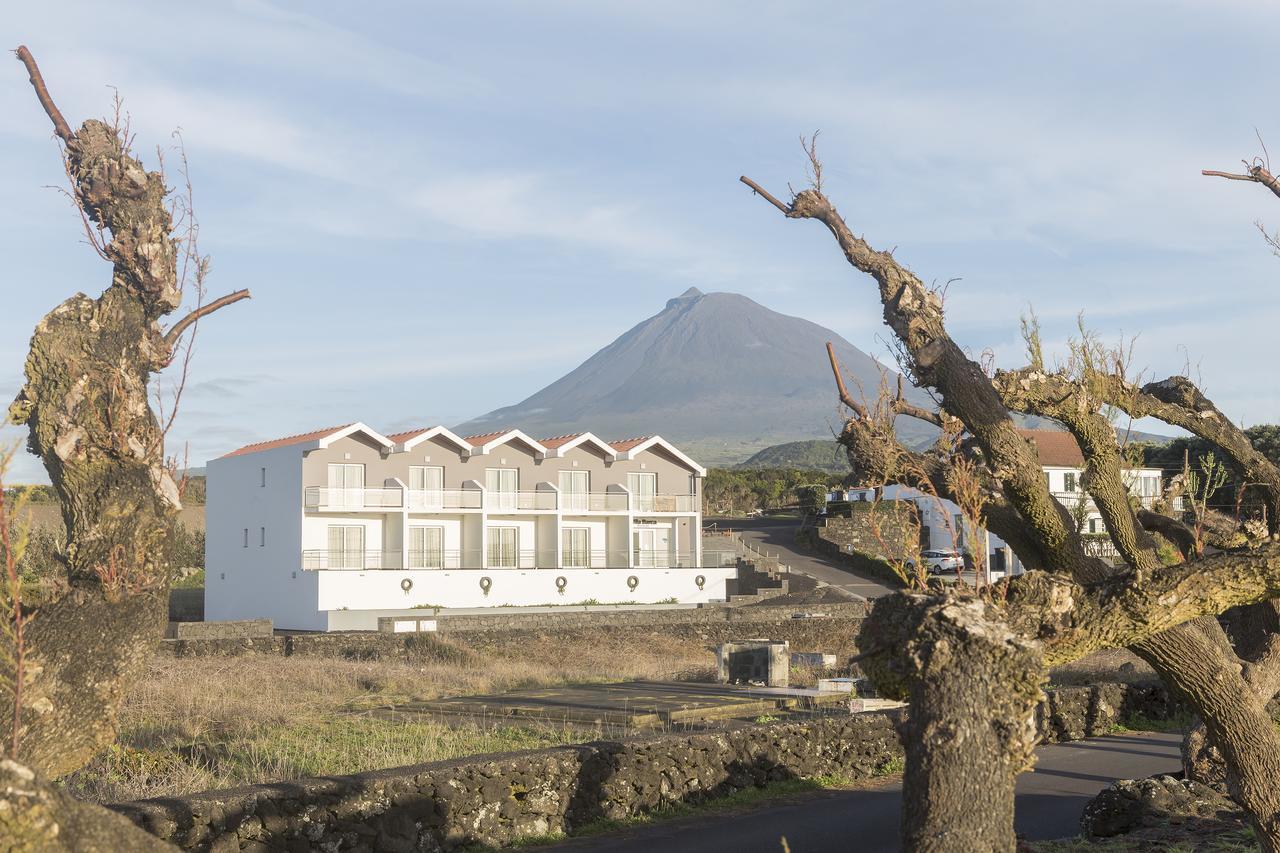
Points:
86	404
973	685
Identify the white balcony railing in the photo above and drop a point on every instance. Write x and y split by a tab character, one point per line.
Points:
664	503
428	500
326	558
317	498
513	501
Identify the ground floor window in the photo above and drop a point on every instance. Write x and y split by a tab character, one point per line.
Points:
575	548
346	547
504	547
426	547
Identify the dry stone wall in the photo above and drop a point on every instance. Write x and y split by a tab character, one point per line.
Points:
499	799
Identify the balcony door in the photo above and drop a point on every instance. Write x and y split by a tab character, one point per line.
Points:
426	547
426	487
502	485
346	547
575	487
644	488
346	485
504	547
575	551
652	548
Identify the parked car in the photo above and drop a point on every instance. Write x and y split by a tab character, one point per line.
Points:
939	562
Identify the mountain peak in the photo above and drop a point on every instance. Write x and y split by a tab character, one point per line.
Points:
690	294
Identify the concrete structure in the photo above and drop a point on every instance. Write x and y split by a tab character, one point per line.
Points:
765	662
332	529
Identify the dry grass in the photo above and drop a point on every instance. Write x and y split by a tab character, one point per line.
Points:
1119	665
199	723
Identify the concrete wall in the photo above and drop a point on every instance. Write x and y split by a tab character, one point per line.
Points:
258	580
497	800
245	629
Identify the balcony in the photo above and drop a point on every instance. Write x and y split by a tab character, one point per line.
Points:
444	500
322	559
518	501
316	499
664	503
594	502
662	559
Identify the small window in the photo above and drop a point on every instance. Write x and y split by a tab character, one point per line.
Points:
1069	481
263	483
246	537
262	537
1093	525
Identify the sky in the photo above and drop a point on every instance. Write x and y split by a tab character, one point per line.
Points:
442	207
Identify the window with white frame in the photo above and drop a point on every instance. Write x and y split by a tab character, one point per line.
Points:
1069	481
504	548
346	547
644	488
502	485
575	548
575	486
346	484
426	547
426	487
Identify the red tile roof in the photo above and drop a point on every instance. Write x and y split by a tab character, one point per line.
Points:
301	438
1055	448
628	443
398	437
484	438
558	440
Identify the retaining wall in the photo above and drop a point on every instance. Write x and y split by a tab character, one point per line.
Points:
231	630
498	799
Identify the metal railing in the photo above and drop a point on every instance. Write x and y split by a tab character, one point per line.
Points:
325	558
316	497
443	558
578	559
524	500
662	559
427	500
719	559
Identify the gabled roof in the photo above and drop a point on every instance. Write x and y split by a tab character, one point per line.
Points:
320	438
561	444
411	438
1056	449
482	444
629	448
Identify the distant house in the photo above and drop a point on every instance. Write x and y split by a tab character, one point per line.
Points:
334	528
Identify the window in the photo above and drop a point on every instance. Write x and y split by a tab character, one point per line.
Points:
1069	481
502	485
1093	525
246	537
346	485
652	548
426	547
504	544
262	537
575	486
575	548
1048	481
426	487
346	547
263	484
644	487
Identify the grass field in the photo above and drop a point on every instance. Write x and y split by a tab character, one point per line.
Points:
194	724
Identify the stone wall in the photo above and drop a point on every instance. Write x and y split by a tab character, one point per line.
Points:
498	799
499	620
230	630
865	542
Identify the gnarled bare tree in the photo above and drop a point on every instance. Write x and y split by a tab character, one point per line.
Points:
971	664
86	404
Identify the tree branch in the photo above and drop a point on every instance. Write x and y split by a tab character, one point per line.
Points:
1257	174
171	337
845	396
761	191
60	125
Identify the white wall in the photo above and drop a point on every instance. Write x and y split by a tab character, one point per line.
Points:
356	591
259	580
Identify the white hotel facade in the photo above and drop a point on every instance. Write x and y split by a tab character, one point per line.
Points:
332	529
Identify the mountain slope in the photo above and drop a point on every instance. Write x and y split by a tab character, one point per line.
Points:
717	372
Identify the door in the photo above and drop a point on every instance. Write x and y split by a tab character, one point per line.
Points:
504	547
426	547
426	487
643	489
346	547
652	548
575	487
575	551
346	485
502	485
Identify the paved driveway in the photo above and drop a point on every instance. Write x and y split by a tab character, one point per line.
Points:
777	536
1049	802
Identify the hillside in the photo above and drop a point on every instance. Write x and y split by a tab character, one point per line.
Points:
816	455
717	372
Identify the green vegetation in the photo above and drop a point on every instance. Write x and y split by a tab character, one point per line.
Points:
1143	723
826	456
738	491
1194	452
892	767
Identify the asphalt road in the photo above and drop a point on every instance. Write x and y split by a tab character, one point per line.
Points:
777	536
1049	802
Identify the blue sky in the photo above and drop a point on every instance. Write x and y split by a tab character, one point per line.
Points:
442	207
